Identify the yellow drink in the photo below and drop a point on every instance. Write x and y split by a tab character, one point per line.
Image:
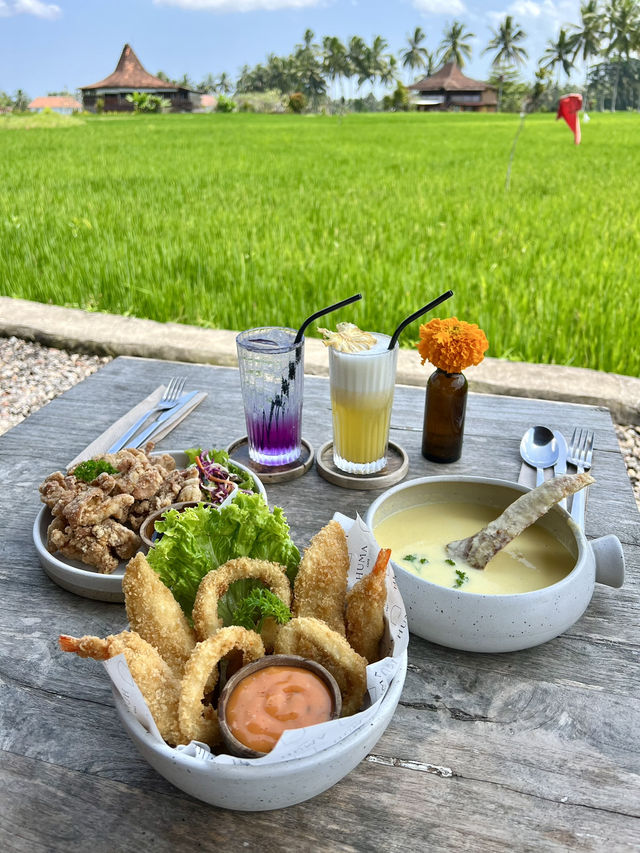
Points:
361	424
361	385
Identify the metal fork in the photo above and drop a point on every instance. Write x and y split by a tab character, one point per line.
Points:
581	455
167	401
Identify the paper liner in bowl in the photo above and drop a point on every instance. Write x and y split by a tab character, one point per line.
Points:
307	749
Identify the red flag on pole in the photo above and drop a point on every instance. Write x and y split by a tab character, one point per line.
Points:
568	108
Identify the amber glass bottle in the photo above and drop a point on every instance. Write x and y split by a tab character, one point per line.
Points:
444	409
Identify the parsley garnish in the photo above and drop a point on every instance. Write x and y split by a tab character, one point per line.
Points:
89	470
258	606
410	558
461	577
450	562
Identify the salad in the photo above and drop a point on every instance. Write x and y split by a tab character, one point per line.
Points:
219	475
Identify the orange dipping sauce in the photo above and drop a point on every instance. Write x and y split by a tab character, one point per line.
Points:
273	699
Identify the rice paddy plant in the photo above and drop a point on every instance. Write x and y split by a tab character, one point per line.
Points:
230	221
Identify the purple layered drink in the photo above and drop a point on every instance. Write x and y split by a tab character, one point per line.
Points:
272	376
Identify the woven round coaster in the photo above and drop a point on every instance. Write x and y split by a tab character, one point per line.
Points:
238	450
394	471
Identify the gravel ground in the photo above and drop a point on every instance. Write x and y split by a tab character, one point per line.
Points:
31	375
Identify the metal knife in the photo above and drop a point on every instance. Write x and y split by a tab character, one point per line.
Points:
171	414
561	465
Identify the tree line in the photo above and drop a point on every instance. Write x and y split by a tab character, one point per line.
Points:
606	41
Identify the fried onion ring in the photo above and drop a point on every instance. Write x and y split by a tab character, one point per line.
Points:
312	638
215	583
197	721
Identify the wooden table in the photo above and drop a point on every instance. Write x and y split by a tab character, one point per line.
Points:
535	750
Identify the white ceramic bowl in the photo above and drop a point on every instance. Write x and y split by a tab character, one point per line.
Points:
498	623
73	575
272	786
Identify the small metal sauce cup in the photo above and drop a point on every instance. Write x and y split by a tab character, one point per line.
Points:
235	746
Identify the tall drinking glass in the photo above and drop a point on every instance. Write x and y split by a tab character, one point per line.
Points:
361	386
271	377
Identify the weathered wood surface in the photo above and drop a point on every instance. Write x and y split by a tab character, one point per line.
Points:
534	750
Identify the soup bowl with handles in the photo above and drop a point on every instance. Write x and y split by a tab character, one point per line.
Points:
498	622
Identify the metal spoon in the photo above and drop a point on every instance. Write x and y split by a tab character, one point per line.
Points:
540	449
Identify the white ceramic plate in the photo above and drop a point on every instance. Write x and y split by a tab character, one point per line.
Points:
75	576
271	786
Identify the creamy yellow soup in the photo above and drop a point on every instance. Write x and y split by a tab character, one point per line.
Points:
418	537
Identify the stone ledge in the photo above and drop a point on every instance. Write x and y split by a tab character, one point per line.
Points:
109	334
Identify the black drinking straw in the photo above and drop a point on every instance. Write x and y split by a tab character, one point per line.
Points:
327	310
433	304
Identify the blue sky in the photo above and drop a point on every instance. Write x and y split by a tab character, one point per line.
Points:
46	46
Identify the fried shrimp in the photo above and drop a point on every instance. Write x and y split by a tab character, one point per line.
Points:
215	583
365	609
312	638
154	677
155	614
321	583
198	721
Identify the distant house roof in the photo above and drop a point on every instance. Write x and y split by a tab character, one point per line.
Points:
55	101
131	75
450	79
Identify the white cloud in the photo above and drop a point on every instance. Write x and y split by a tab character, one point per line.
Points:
550	13
441	7
29	7
237	5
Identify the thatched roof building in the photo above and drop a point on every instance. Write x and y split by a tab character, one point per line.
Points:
449	89
130	76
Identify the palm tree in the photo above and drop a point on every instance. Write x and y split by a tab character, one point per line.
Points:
622	19
389	73
588	36
358	59
508	51
335	61
185	82
415	56
21	101
208	85
455	45
378	60
560	53
224	83
243	81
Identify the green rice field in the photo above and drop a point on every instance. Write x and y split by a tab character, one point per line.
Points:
231	221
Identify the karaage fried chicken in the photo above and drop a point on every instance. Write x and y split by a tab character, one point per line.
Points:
97	522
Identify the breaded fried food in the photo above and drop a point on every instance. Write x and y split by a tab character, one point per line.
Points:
321	583
94	505
215	583
312	638
156	680
155	614
478	549
199	721
102	545
364	614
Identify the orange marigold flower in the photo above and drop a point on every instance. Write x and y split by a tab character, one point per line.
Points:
452	345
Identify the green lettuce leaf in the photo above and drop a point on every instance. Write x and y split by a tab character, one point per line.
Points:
201	538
